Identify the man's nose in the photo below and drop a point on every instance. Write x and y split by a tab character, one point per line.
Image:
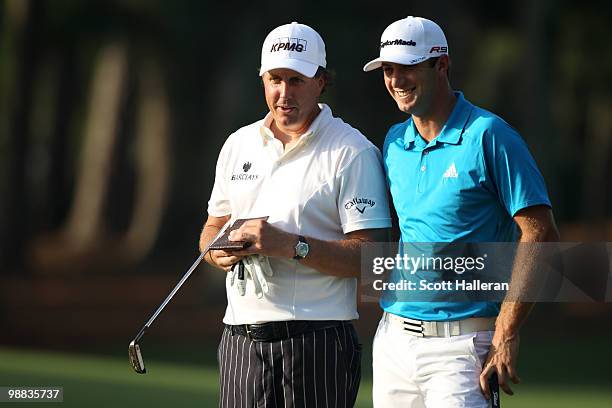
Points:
396	79
284	89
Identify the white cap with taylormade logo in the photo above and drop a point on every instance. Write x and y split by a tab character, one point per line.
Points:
409	41
294	46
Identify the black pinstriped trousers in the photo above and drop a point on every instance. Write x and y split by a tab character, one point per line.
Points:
317	369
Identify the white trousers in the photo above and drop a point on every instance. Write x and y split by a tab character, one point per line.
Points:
428	372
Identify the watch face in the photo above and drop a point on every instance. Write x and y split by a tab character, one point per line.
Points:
301	249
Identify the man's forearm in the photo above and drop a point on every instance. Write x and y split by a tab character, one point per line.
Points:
211	228
338	258
342	258
511	317
529	258
208	233
514	310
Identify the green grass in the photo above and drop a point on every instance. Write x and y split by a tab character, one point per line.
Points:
90	381
105	381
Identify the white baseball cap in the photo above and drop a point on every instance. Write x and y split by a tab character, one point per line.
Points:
409	41
294	46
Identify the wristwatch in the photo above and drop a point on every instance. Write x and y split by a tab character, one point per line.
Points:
301	248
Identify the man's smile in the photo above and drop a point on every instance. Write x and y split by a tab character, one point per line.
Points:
404	93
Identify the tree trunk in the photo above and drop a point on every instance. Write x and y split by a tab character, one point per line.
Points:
74	246
152	166
26	19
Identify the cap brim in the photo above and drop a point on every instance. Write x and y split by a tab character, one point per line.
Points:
404	59
305	68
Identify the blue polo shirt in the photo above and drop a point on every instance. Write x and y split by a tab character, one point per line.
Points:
463	186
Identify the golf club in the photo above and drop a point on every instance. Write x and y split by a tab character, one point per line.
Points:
494	391
134	352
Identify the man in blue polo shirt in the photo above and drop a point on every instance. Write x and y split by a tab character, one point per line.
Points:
457	173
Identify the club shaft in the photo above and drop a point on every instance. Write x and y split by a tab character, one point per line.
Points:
178	285
176	288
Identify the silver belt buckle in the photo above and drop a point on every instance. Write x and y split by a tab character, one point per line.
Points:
248	332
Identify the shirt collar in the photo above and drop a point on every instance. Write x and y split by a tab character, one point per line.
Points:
452	129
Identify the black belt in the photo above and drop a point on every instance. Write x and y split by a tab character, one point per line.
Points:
276	331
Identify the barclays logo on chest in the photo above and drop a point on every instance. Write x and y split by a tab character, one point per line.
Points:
245	175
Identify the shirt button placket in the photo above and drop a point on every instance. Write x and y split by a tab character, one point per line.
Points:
422	171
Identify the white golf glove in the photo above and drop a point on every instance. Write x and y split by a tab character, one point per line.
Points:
257	268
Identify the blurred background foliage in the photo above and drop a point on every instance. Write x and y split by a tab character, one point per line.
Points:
112	114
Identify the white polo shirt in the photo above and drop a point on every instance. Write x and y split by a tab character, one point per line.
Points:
330	183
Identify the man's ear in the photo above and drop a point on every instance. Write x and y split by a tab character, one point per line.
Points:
321	82
444	64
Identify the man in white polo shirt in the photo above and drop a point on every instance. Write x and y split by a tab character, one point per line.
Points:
288	339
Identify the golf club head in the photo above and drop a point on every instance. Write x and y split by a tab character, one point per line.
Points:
136	358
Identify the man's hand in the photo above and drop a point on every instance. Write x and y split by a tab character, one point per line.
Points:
217	258
265	239
501	359
224	259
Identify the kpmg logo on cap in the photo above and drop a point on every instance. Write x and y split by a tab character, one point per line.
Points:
398	41
288	44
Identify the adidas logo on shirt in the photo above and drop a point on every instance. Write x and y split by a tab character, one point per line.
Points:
451	172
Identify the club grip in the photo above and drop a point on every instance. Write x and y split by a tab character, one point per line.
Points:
241	279
494	390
